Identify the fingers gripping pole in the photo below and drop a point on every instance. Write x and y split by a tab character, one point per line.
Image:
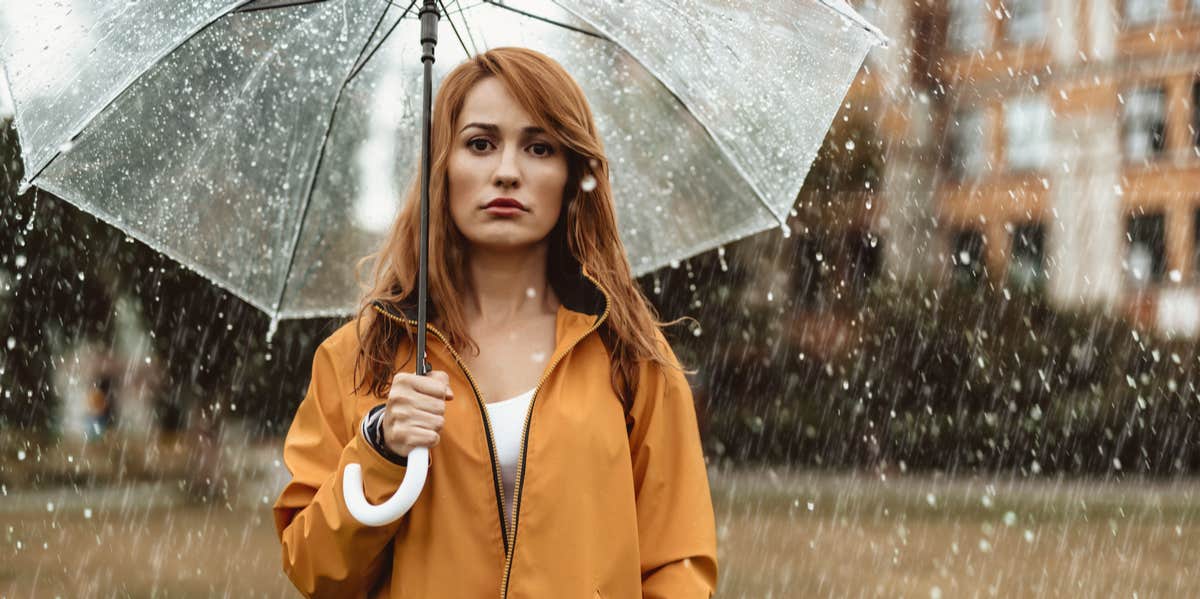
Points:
395	506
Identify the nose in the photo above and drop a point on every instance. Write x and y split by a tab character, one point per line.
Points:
508	172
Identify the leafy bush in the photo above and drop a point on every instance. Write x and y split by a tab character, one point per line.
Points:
964	379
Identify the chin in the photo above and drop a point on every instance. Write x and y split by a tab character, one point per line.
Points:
506	241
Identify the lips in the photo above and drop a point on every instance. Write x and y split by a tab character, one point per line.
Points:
505	203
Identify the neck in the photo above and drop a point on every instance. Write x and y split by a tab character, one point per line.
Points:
509	286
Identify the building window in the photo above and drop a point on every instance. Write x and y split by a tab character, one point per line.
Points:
1196	241
1024	20
1145	12
968	27
809	274
1196	110
966	156
1026	268
1146	255
1027	133
1144	120
967	257
864	261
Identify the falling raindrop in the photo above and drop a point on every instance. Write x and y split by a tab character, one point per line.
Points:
588	183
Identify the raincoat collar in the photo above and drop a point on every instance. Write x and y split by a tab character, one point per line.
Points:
577	291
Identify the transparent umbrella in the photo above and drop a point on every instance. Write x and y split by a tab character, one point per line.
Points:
263	143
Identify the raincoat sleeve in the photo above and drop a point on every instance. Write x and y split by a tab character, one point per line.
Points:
676	524
326	552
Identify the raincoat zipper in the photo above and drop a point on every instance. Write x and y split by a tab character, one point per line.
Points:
512	543
486	421
510	537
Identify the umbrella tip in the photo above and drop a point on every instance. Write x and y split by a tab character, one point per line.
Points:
274	326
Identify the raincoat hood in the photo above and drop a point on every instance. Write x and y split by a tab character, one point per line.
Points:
599	510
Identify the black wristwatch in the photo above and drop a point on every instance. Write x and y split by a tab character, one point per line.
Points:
373	431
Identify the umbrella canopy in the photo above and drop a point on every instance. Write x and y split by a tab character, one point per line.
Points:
265	143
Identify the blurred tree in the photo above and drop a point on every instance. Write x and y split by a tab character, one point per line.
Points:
65	268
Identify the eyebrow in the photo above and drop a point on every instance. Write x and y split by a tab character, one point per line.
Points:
491	128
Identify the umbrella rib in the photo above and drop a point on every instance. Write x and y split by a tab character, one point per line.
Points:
455	29
317	167
546	20
362	62
227	9
467	22
758	193
269	4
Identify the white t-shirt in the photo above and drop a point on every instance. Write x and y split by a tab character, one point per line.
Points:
508	422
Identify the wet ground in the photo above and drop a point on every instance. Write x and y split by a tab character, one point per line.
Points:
782	534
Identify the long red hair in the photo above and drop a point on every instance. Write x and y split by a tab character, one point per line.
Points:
586	233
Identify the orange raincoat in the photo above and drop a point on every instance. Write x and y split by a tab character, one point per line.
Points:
599	511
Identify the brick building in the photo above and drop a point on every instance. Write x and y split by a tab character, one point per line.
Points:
1046	145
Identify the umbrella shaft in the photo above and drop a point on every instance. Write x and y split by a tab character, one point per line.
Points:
429	25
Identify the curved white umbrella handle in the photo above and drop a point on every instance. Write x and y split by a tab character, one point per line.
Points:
397	505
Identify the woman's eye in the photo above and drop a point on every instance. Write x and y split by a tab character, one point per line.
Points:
475	144
547	150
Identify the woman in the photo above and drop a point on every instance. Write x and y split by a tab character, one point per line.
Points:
565	455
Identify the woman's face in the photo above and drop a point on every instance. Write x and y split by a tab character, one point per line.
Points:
499	153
